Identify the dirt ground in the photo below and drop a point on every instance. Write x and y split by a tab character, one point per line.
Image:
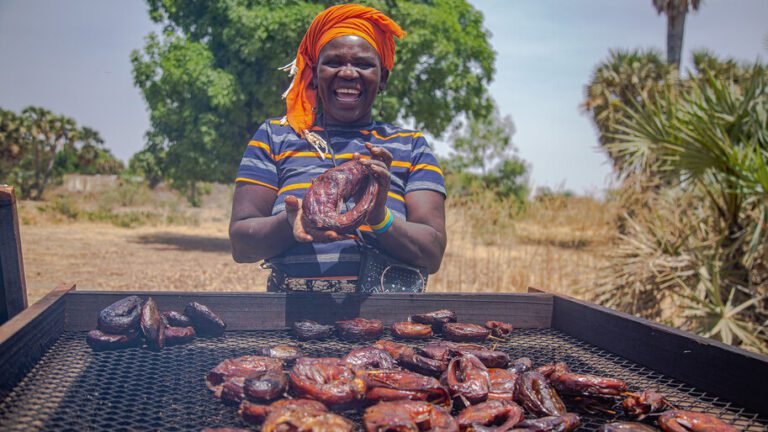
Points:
196	256
105	257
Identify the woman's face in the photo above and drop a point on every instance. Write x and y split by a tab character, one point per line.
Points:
348	77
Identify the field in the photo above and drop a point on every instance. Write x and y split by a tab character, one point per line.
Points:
153	241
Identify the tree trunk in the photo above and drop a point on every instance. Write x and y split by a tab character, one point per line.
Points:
675	30
48	169
193	194
36	184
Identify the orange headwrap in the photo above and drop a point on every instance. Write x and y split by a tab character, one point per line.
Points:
350	19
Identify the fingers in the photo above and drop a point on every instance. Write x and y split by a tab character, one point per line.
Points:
343	237
300	234
293	210
303	238
329	236
380	171
292	202
373	163
332	236
378	168
380	154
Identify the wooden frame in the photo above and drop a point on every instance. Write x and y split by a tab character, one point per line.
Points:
28	335
13	288
724	371
732	373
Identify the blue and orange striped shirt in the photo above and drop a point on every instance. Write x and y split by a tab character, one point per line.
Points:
278	159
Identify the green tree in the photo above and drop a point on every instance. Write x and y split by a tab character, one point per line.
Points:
510	178
484	140
45	134
148	164
87	156
212	77
11	150
484	156
38	146
676	11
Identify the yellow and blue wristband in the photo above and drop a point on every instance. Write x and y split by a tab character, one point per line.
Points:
384	225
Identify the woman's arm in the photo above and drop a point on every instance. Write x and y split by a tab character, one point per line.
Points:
421	239
254	233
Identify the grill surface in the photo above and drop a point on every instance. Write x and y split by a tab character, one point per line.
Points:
74	388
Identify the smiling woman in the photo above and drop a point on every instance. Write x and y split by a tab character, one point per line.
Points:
343	62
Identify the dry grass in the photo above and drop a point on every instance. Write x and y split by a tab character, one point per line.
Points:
553	245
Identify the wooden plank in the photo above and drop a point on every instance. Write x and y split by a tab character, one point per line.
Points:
728	372
13	288
262	311
28	335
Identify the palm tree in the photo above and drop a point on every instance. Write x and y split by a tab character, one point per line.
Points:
88	154
11	128
711	141
48	134
676	10
626	79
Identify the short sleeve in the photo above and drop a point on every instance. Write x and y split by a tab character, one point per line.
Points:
258	163
425	170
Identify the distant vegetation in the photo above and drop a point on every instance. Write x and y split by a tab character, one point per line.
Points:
484	160
37	147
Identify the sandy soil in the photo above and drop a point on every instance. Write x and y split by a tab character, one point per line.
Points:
105	257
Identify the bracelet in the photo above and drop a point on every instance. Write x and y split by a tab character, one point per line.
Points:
384	225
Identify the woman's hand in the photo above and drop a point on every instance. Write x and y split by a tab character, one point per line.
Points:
380	161
306	234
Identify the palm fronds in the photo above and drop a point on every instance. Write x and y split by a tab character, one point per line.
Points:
697	242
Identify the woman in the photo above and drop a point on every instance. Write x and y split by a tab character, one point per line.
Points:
344	61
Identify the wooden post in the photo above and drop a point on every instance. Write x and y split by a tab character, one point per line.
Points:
13	288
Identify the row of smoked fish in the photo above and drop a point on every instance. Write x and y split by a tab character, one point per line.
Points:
133	321
406	388
418	327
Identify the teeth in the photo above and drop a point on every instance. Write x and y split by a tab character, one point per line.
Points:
348	91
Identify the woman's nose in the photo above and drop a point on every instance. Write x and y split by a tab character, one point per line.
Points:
348	71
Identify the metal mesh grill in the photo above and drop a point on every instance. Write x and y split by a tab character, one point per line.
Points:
75	389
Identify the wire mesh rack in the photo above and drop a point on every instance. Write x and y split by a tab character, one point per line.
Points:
73	388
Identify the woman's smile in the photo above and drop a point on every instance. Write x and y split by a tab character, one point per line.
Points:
347	94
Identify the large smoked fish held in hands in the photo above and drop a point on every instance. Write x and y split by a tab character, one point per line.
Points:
322	205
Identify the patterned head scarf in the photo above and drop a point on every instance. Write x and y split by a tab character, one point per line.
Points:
342	20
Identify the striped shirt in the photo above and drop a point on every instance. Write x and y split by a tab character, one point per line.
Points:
278	159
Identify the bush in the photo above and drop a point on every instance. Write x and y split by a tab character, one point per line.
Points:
128	193
62	206
692	247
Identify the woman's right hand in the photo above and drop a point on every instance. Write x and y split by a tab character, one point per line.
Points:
305	234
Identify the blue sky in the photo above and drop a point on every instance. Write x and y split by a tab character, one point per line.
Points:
73	58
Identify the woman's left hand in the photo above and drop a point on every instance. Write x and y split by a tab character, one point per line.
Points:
380	161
